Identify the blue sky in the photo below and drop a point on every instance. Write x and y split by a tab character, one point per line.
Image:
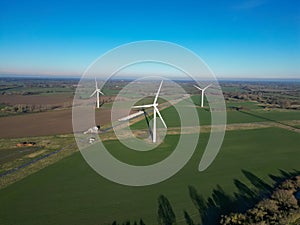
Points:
239	38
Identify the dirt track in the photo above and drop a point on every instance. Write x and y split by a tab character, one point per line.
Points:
43	124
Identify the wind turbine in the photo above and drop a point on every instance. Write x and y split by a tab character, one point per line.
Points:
97	92
202	92
155	110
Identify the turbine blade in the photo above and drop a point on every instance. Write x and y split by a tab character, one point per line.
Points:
93	93
207	87
162	120
101	93
142	106
156	96
96	83
198	87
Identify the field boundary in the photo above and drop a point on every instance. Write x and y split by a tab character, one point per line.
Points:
203	129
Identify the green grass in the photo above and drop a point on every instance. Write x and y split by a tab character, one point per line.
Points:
261	116
110	92
141	158
149	100
172	118
70	192
246	105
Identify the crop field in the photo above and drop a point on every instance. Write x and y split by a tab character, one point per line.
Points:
36	99
45	123
254	113
243	104
71	192
62	189
60	121
149	113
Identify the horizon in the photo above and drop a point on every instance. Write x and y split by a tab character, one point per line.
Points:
70	77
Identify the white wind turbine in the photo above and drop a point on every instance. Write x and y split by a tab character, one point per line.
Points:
97	92
202	92
155	110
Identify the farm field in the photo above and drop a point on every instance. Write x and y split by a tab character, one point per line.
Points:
45	123
36	99
253	114
69	191
62	189
60	121
150	113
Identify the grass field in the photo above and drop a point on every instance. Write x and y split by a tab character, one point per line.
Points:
244	104
254	114
70	192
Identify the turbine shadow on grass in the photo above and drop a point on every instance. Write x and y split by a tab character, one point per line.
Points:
148	123
101	104
268	119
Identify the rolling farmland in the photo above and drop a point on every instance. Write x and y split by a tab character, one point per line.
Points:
69	187
62	189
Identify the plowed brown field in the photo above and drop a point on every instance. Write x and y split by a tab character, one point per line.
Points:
44	123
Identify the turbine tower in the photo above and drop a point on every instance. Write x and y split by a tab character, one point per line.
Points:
155	110
202	92
97	92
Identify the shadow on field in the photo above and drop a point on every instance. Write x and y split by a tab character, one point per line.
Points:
220	203
268	119
209	210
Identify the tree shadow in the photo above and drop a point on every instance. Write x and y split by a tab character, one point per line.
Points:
221	203
283	176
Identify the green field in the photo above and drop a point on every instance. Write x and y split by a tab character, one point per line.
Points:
244	104
254	114
70	192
